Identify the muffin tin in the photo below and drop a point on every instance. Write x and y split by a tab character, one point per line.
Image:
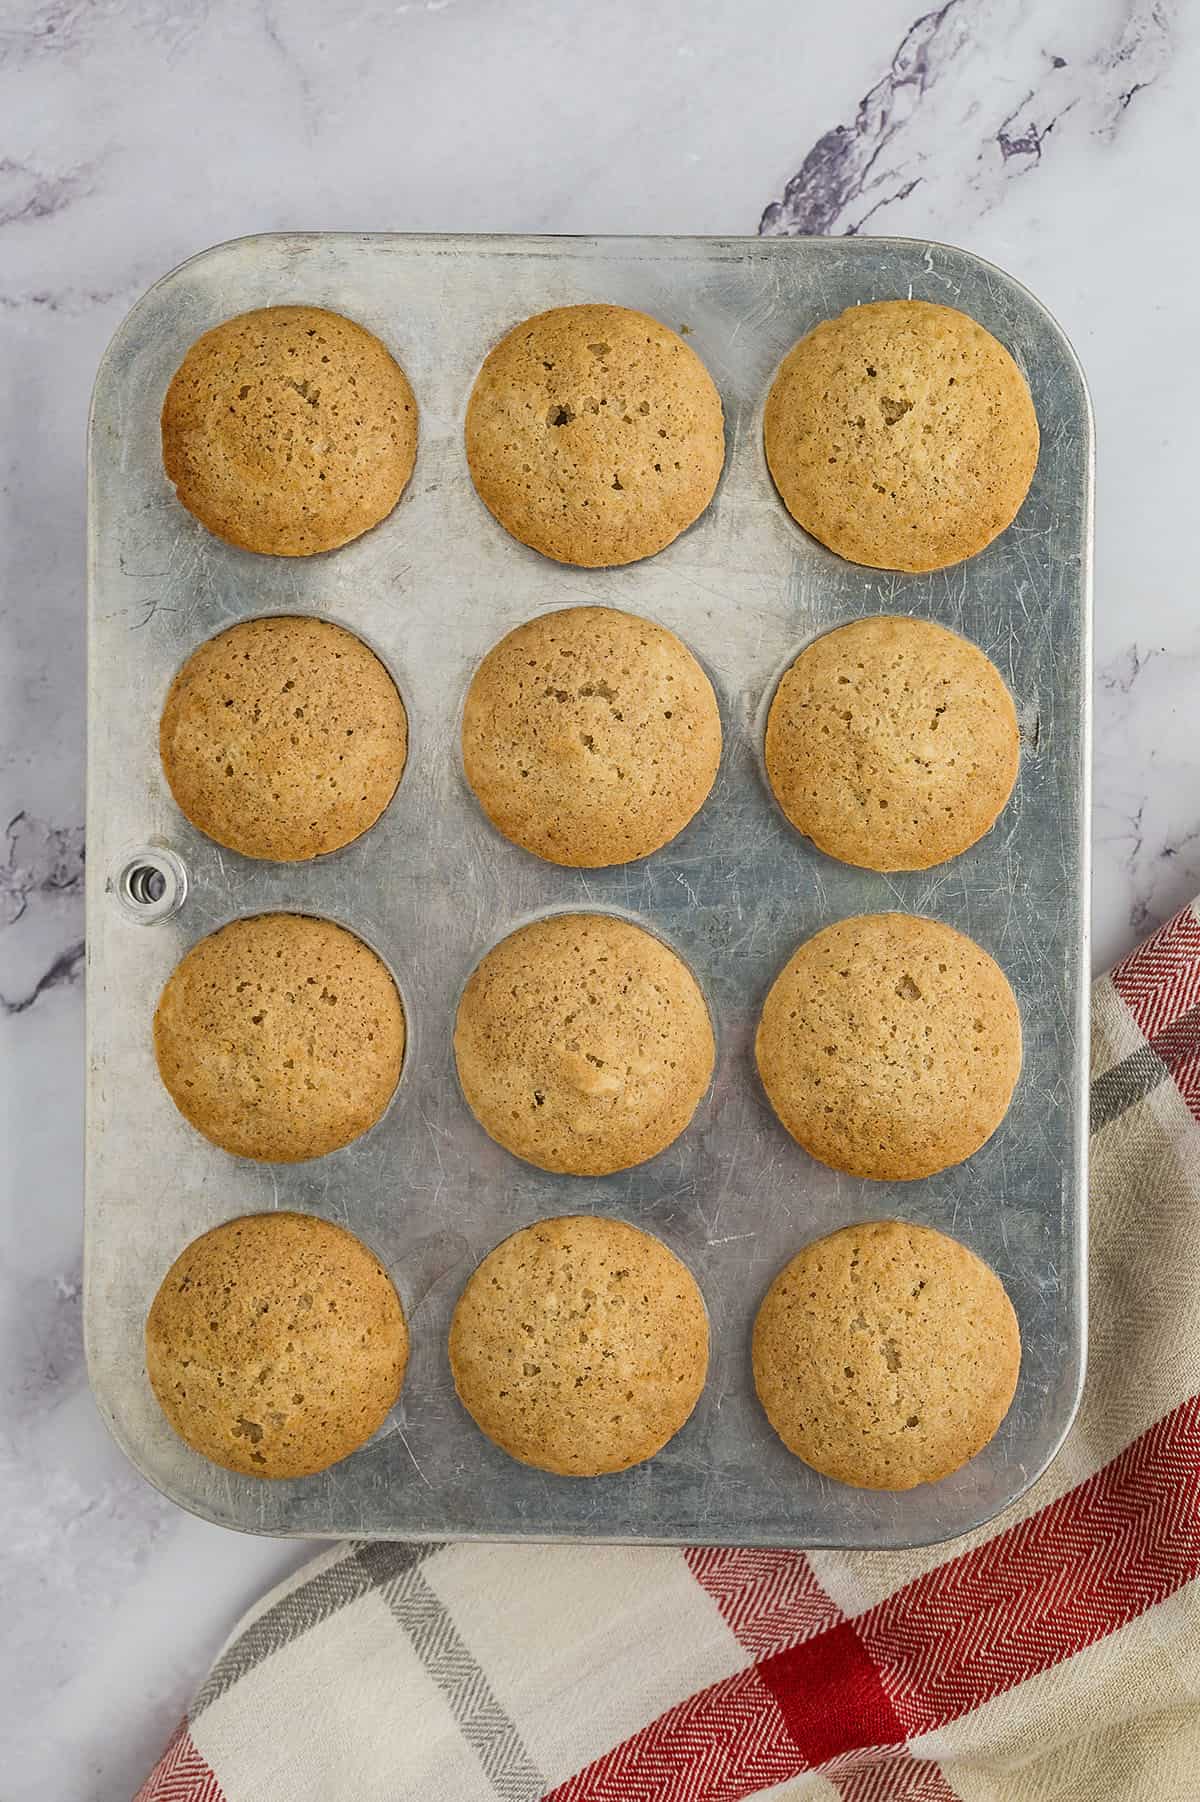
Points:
432	886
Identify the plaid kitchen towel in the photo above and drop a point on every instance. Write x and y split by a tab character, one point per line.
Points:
1054	1654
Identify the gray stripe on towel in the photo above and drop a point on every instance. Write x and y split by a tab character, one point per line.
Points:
484	1725
1127	1083
367	1568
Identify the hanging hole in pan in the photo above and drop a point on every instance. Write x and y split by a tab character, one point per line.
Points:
151	885
144	884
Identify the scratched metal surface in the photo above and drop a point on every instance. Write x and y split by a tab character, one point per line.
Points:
432	886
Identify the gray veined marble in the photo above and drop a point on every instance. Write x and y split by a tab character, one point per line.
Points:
42	862
986	72
1057	142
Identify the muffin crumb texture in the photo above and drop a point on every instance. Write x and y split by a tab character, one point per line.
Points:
289	430
901	434
594	434
276	1344
280	1037
583	1044
283	738
590	737
889	1046
580	1345
886	1355
892	743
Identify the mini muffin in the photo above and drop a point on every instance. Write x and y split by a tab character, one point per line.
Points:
289	430
892	743
594	434
283	738
886	1355
583	1044
590	737
580	1345
280	1037
276	1344
889	1046
901	434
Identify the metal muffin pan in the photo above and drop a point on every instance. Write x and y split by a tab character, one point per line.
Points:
432	886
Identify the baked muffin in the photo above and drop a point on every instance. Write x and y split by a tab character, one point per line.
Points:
276	1344
594	434
590	737
580	1345
280	1037
583	1044
889	1046
886	1355
283	738
289	430
892	743
901	434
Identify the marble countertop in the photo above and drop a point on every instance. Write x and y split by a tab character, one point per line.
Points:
1059	142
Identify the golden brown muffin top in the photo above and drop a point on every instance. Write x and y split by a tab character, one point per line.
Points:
580	1345
901	434
886	1355
594	434
289	430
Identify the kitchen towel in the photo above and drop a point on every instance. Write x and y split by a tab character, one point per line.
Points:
1053	1654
